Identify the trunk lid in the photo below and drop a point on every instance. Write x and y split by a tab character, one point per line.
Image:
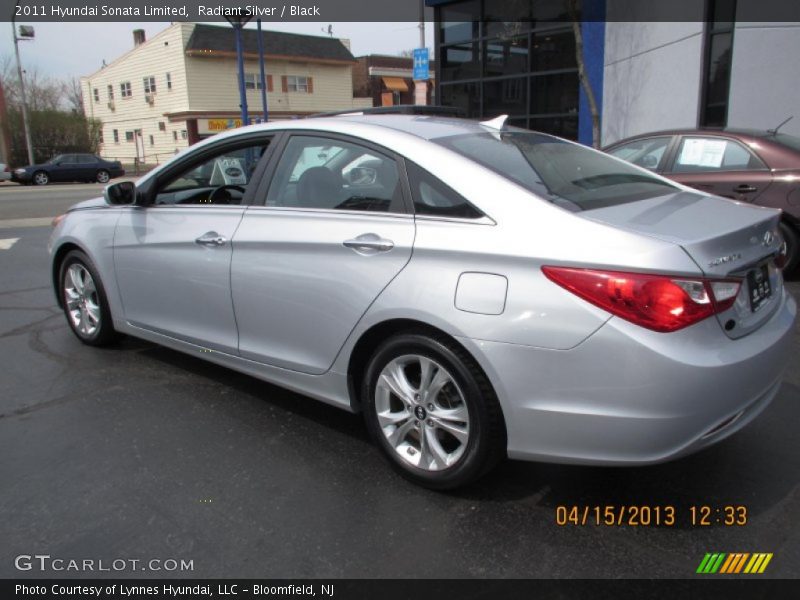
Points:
726	239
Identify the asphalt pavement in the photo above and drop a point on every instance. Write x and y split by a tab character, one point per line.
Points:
139	452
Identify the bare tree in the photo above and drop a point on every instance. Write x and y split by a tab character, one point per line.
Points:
74	94
572	6
43	93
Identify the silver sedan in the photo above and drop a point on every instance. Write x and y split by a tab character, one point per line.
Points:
475	290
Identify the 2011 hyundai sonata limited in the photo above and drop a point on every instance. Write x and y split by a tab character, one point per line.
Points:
474	290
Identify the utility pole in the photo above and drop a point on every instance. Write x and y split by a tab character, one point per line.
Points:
25	123
421	23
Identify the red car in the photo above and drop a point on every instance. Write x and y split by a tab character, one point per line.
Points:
761	167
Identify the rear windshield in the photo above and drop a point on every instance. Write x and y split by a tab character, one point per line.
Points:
567	174
790	141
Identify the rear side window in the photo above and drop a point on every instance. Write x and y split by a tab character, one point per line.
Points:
432	197
703	155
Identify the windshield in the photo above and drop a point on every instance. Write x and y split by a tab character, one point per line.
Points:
567	174
790	141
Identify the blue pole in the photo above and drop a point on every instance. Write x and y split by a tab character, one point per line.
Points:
263	76
240	59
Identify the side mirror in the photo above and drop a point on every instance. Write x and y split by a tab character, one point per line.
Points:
120	193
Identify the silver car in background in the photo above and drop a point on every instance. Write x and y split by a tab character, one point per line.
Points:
476	291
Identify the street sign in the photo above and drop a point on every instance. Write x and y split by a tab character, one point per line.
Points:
421	72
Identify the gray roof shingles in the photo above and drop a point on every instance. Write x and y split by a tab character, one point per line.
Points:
276	43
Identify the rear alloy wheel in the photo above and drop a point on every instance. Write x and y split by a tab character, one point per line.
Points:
84	300
41	178
103	176
432	411
790	238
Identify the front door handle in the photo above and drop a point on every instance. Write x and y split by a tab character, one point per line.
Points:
369	241
745	189
212	238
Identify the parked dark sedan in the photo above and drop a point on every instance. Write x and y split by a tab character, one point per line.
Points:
70	167
760	167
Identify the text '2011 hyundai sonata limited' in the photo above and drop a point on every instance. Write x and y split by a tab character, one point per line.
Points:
475	290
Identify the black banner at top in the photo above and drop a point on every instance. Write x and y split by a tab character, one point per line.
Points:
32	11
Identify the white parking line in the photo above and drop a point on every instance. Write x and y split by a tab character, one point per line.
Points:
7	243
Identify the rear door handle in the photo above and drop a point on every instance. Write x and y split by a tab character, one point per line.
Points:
369	241
745	189
212	238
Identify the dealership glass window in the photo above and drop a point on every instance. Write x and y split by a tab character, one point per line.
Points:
169	81
149	85
110	89
461	62
96	95
125	89
297	84
458	22
466	96
553	50
717	69
116	136
128	136
562	126
555	93
505	96
505	56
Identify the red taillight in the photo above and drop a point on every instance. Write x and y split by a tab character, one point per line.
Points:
658	302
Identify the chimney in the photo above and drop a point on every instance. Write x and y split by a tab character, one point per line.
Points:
138	37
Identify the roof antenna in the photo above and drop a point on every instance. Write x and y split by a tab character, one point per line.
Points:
774	131
498	123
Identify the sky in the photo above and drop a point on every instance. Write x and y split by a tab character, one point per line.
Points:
63	50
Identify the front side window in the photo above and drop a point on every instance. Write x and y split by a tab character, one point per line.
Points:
321	173
568	174
645	153
703	155
125	89
220	179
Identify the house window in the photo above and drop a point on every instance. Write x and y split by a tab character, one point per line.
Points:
169	81
96	95
252	81
162	126
116	136
100	136
184	135
128	136
149	85
297	84
110	89
125	89
174	135
152	141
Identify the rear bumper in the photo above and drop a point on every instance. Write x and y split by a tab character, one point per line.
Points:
627	395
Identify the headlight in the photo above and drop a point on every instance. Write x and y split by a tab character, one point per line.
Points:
19	171
57	220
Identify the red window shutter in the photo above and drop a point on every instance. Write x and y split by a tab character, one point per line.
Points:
310	85
269	83
284	84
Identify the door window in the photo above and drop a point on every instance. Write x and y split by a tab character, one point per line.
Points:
323	173
220	179
703	155
645	153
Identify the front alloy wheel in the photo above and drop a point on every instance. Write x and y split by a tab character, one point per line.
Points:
103	176
41	178
431	409
84	300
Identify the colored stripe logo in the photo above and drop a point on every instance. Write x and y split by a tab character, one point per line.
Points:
734	563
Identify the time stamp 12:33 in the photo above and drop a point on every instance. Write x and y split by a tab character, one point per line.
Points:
702	515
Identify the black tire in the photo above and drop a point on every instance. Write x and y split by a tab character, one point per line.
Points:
103	176
790	237
40	178
486	444
104	333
